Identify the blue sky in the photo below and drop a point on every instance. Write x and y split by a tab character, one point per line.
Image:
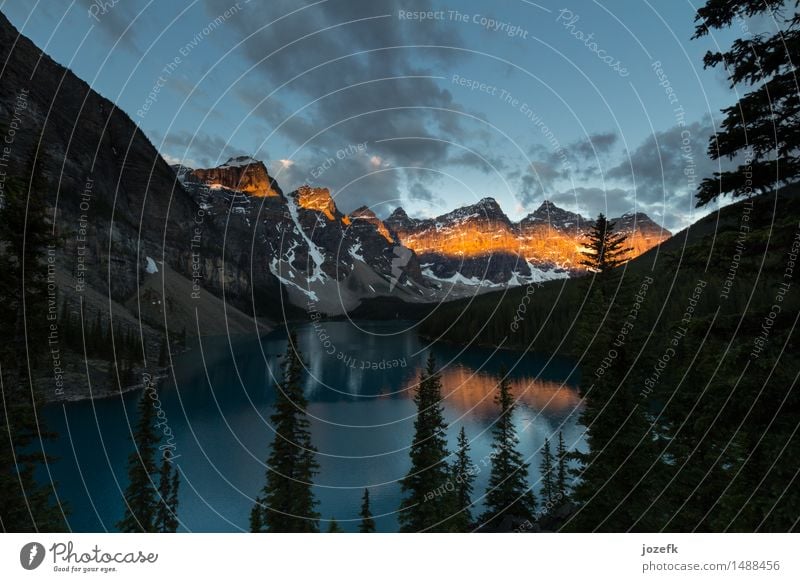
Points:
512	99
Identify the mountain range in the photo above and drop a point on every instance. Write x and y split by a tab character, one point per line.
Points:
329	260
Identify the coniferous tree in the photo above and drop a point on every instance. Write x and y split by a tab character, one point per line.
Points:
605	248
333	526
463	476
367	524
508	493
547	469
257	516
426	501
287	501
166	520
141	499
610	489
25	504
763	123
561	476
173	498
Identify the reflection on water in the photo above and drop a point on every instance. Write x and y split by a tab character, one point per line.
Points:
473	391
359	385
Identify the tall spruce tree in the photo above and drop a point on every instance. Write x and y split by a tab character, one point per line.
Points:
257	515
463	476
548	471
427	504
141	495
762	124
605	249
367	524
287	502
25	504
613	477
508	493
166	520
562	458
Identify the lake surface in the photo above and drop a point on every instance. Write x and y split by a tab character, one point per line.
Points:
360	384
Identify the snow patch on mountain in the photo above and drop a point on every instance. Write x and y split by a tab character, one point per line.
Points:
458	278
317	256
355	252
274	268
151	268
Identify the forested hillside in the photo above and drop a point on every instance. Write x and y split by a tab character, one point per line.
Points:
689	371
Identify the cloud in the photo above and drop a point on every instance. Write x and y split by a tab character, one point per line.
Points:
667	166
172	160
589	201
207	150
535	183
596	144
581	160
418	191
659	177
345	55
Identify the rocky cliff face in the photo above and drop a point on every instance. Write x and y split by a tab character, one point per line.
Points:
318	199
368	216
243	174
469	231
325	261
475	244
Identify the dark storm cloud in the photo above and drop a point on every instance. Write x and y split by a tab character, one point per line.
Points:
668	164
352	181
537	182
663	172
418	191
370	101
591	201
658	177
578	160
596	144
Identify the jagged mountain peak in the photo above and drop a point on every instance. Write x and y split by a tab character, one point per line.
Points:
239	161
547	206
487	201
363	212
638	220
318	199
554	216
635	216
241	174
485	209
399	221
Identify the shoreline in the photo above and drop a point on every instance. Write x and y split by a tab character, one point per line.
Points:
81	393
